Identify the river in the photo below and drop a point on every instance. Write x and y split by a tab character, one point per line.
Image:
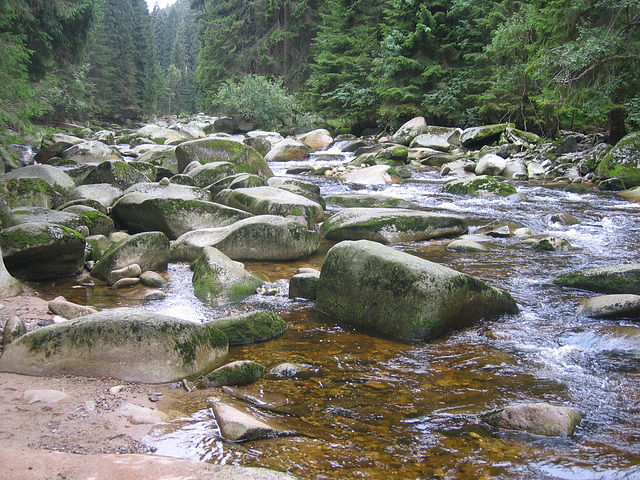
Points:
373	408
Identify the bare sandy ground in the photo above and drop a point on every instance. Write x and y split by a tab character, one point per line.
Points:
90	433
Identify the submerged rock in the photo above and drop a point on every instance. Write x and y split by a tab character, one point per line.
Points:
535	418
611	306
124	343
367	284
389	225
616	279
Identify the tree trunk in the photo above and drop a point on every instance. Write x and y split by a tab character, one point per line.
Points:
617	129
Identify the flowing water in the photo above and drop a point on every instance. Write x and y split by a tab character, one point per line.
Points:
374	408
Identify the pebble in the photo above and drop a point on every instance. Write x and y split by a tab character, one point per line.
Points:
115	390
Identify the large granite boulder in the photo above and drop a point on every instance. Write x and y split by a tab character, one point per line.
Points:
239	180
288	150
215	149
306	189
116	173
91	151
259	238
125	343
20	215
149	250
42	251
36	192
376	287
440	139
410	130
54	177
319	139
623	161
273	201
172	209
389	225
347	200
491	164
476	137
218	280
615	279
482	185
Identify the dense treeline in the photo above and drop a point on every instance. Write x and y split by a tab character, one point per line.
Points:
545	65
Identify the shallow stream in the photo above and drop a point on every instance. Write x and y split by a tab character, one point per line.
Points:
374	408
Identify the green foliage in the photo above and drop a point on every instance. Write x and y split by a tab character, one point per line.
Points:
257	99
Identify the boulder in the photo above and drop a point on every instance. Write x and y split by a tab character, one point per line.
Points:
535	418
14	328
124	343
149	250
103	193
63	307
374	175
36	192
365	200
515	170
91	151
288	150
476	137
54	177
615	279
409	131
259	238
215	149
218	280
153	279
611	306
480	186
467	245
491	164
46	153
623	161
9	286
319	139
116	173
390	225
240	372
271	137
239	180
130	271
304	285
167	136
273	201
42	251
163	156
251	327
440	139
22	215
172	209
306	189
551	244
376	287
209	173
96	222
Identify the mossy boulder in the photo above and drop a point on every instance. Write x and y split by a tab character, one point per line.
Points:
103	193
390	225
306	189
615	279
365	200
212	149
91	151
116	173
535	418
251	327
42	251
476	137
441	139
163	156
35	192
55	177
209	173
20	215
632	194
97	222
149	250
288	150
239	180
259	238
125	343
410	130
304	285
623	161
611	306
218	280
480	186
273	201
367	284
240	372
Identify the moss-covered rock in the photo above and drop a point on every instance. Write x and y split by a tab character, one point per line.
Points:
239	180
535	418
97	222
623	161
91	151
116	173
240	372
103	193
35	192
304	285
288	150
389	225
306	189
20	215
251	327
373	286
42	251
476	137
124	343
259	238
54	177
611	306
163	156
364	200
149	250
218	280
273	201
211	149
615	279
209	173
479	186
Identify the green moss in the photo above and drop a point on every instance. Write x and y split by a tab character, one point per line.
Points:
297	211
210	336
237	373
